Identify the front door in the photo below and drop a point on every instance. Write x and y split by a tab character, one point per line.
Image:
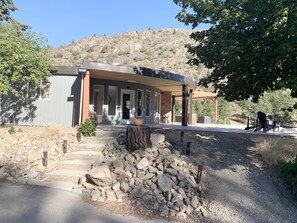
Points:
127	106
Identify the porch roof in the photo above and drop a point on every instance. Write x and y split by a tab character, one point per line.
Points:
165	81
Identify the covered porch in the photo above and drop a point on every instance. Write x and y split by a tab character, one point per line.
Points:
116	94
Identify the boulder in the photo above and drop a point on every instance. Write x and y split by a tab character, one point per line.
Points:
157	139
100	175
164	183
143	163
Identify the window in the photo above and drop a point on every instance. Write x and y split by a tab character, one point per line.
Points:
45	89
147	103
32	90
157	103
139	103
112	100
98	97
42	91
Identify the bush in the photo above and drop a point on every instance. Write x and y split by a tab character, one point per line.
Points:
12	130
88	128
288	170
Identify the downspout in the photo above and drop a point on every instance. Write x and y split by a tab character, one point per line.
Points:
81	72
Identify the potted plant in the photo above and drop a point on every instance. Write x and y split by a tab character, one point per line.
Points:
138	121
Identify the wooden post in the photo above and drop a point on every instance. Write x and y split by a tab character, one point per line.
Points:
188	149
173	109
184	105
181	141
138	138
44	159
216	109
64	146
190	101
199	173
181	137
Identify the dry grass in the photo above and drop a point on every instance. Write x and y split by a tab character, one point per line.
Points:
275	149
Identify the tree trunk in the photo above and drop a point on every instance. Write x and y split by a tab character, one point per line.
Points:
138	138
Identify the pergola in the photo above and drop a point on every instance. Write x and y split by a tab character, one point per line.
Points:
197	95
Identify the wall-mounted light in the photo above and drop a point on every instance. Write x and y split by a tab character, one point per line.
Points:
82	70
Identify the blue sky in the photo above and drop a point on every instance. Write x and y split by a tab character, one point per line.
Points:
62	21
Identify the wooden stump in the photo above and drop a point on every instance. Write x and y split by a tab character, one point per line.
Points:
138	138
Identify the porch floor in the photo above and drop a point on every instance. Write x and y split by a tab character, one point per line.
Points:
201	127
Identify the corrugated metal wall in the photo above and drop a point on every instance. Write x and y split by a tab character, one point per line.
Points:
63	106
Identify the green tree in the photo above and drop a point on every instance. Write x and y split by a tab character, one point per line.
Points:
22	53
279	104
251	45
6	7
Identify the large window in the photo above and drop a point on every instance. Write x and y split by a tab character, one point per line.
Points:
147	103
139	103
41	91
112	100
98	98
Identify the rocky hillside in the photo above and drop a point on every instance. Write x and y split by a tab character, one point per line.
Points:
162	49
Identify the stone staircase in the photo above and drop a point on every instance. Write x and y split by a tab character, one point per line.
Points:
78	162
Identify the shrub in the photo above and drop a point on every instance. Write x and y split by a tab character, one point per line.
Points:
288	170
12	130
88	128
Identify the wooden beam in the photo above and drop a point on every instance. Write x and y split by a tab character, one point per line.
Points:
173	109
190	121
184	105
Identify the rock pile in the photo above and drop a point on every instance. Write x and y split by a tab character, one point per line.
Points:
158	176
21	153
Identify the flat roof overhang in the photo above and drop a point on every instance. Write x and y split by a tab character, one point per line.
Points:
165	81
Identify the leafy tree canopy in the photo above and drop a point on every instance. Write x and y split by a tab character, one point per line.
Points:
6	6
22	53
251	45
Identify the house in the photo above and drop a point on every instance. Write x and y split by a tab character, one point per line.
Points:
110	93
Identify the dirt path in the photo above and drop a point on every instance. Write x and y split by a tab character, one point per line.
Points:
241	188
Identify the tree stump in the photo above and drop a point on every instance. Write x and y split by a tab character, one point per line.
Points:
138	138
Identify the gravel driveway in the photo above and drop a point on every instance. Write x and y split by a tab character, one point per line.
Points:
239	186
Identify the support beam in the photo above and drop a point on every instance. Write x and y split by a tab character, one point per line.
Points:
184	105
216	109
86	96
173	109
190	101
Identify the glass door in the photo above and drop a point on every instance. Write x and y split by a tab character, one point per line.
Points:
127	106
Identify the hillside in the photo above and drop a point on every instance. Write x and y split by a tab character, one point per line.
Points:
162	49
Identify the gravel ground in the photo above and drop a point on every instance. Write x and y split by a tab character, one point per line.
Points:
240	187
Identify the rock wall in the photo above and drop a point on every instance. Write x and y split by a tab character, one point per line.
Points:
159	176
21	153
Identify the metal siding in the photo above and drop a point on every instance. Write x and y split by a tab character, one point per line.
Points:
60	109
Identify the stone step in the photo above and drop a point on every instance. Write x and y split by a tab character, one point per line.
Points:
75	164
84	155
71	176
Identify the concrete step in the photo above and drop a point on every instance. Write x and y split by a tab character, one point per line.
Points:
75	164
84	155
91	146
70	176
98	139
100	133
61	185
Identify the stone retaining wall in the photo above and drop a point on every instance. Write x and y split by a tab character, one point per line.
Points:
21	153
